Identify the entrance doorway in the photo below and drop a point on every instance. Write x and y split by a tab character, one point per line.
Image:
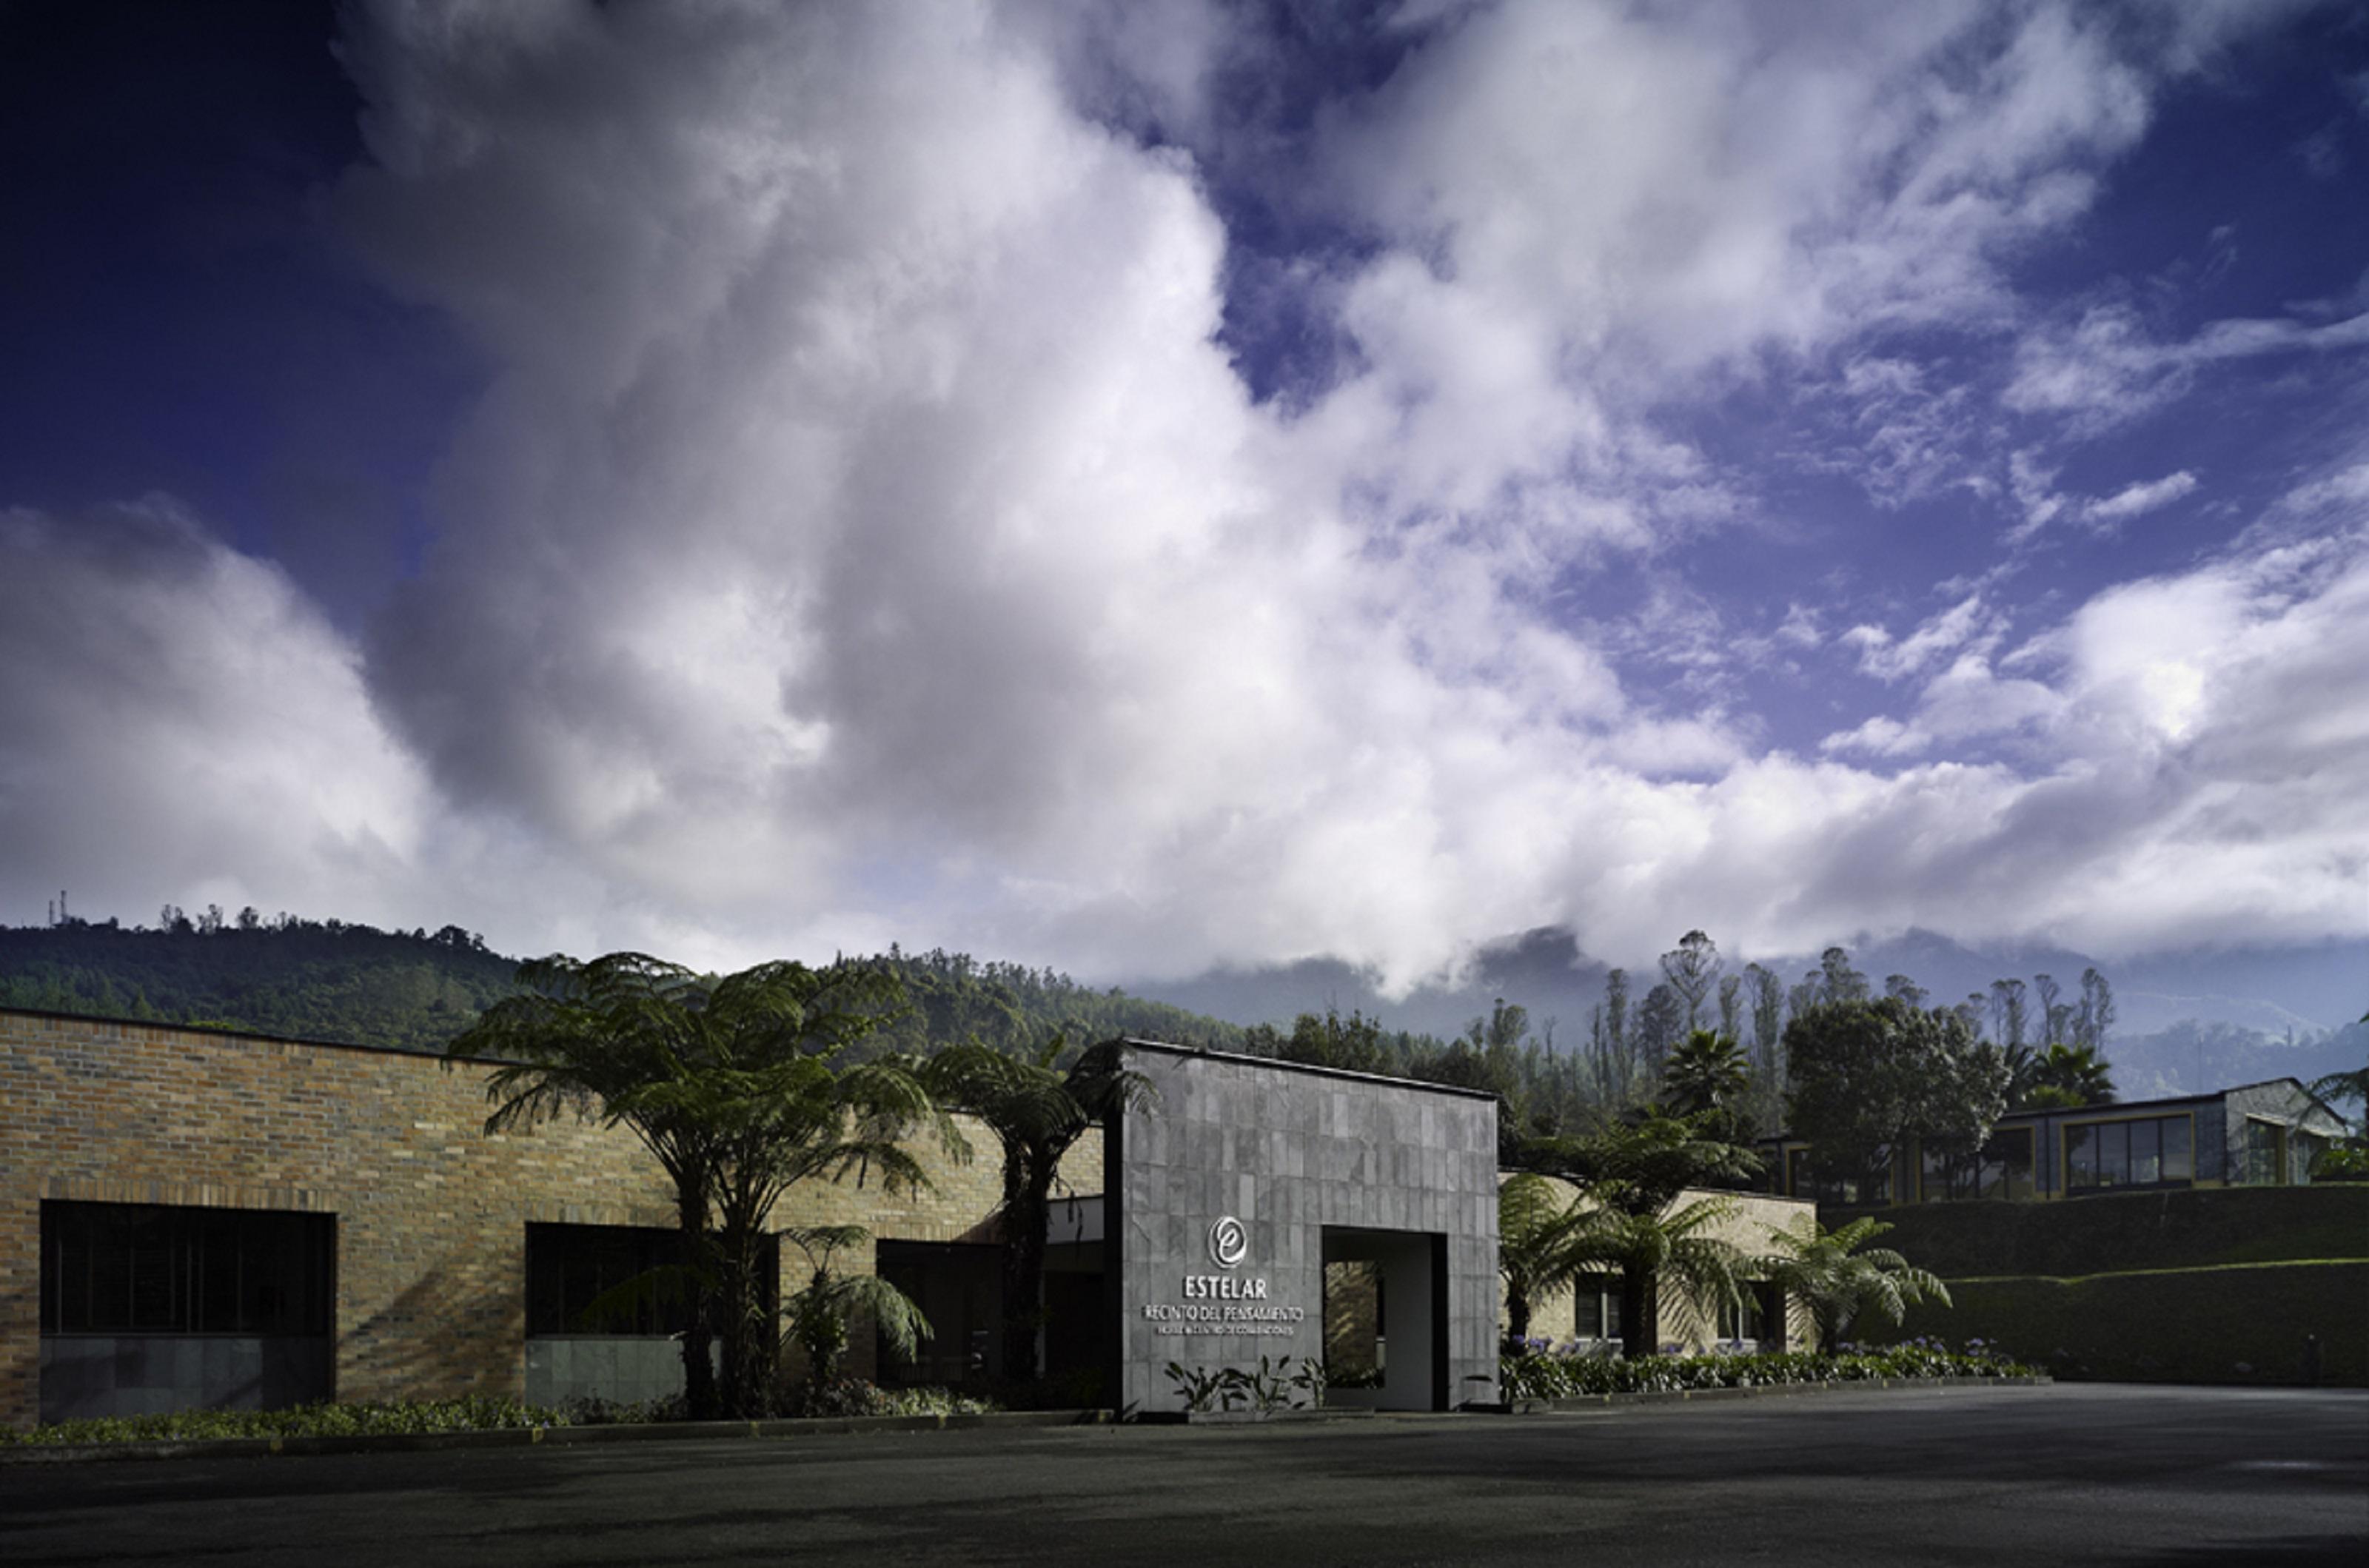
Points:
1386	1318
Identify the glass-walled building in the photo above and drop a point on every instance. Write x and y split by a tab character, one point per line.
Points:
2257	1135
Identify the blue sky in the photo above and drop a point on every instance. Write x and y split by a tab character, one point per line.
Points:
1155	487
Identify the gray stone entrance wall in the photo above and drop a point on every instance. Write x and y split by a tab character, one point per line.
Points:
1288	1151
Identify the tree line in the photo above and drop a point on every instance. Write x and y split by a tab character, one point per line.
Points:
1704	1033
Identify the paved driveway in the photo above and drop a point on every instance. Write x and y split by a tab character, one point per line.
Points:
2032	1478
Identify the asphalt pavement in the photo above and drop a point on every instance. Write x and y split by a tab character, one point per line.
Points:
2052	1476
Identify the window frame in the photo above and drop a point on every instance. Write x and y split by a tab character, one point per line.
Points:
2092	1130
228	1272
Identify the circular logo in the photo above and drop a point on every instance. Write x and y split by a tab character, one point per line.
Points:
1230	1244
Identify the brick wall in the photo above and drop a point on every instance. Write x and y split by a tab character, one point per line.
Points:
432	1212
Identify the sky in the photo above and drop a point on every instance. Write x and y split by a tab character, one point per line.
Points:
1155	486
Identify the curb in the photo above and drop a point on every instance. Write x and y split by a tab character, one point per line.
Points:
1253	1417
532	1436
1569	1402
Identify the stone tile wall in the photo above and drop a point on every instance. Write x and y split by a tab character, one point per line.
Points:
1291	1152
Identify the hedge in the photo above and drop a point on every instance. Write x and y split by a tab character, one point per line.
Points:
2236	1324
2189	1228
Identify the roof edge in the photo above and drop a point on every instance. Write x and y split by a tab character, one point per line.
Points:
1172	1049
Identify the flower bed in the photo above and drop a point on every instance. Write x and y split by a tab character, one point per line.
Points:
1539	1371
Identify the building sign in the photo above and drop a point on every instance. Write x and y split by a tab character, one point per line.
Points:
1227	1302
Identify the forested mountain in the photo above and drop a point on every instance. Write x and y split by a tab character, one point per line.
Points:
330	981
309	979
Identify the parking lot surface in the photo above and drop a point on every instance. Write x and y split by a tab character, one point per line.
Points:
2068	1474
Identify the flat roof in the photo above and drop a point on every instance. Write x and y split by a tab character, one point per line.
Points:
1280	1065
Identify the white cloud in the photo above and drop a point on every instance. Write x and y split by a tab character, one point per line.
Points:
2107	369
2136	500
864	535
182	723
1889	659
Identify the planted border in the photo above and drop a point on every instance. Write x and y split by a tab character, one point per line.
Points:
421	1418
1571	1373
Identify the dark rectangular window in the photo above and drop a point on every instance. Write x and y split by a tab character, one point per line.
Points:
2265	1153
571	1267
2080	1156
2002	1169
2114	1154
2144	1152
1848	1191
156	1269
1596	1307
615	1279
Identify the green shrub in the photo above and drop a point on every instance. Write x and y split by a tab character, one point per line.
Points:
2345	1162
2240	1323
853	1396
2186	1228
477	1412
1546	1374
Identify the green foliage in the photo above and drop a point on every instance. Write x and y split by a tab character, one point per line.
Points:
1640	1165
954	997
2344	1088
1203	1389
740	1088
1625	1221
1037	1109
2181	1229
1270	1386
307	980
478	1412
1538	1372
1353	1044
843	1397
1535	1257
2068	1077
1827	1273
2242	1324
338	981
1709	1076
1867	1075
820	1313
2344	1163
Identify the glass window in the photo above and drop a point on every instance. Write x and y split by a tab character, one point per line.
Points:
2265	1152
165	1269
2114	1154
597	1279
1588	1312
2081	1155
2144	1151
2146	1154
1596	1312
1756	1318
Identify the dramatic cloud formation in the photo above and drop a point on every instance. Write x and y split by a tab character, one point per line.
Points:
1071	486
